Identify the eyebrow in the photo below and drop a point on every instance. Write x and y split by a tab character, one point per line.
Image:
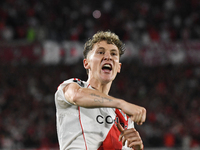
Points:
114	50
101	48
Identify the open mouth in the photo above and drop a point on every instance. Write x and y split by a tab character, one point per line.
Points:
107	67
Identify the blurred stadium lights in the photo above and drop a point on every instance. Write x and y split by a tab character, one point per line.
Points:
96	14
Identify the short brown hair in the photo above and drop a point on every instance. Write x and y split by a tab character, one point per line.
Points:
108	36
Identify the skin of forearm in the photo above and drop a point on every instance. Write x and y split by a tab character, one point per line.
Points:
90	98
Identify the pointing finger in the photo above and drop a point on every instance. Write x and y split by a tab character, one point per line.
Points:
120	128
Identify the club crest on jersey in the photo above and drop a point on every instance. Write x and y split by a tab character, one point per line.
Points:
79	82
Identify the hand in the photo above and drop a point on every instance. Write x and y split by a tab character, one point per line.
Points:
131	136
136	113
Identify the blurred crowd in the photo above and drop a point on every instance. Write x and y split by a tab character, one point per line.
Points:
169	93
138	20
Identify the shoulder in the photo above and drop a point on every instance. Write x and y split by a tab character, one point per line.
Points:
67	86
72	80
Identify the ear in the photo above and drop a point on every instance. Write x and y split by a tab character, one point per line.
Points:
86	63
119	67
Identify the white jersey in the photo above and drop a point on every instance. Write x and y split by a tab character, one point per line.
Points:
87	128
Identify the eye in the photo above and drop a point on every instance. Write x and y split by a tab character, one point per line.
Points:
113	54
100	52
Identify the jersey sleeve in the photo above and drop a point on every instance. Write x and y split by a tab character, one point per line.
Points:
59	95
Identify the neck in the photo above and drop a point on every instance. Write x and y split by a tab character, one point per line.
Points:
99	86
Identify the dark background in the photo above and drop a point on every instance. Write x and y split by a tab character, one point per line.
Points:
169	92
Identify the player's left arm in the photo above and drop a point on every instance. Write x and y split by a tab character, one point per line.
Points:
132	137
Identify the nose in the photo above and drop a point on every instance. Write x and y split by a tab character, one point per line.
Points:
107	56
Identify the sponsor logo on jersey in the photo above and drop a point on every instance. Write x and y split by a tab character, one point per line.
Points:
102	119
109	120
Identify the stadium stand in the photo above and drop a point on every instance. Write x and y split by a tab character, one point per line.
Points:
168	87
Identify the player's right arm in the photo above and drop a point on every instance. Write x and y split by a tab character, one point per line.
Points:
90	98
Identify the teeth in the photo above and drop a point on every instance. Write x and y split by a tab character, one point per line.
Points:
107	65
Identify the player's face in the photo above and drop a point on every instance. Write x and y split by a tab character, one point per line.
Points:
103	62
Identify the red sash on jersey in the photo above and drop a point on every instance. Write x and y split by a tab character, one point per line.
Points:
112	140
